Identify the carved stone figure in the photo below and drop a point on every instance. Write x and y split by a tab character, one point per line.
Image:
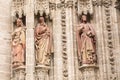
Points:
43	43
18	44
86	42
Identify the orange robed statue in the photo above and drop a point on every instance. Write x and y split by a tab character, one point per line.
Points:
43	44
86	43
18	45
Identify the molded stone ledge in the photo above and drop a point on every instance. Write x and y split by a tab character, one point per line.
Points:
19	68
88	66
42	66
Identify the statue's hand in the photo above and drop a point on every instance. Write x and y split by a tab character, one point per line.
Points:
81	27
89	33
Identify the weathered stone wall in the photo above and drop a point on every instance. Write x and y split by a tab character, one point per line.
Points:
5	37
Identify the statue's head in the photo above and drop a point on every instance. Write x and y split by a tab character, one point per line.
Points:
83	18
19	22
41	19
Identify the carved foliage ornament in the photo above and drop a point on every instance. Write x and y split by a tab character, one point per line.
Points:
110	44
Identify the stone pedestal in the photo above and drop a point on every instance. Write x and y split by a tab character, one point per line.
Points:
42	72
19	73
88	72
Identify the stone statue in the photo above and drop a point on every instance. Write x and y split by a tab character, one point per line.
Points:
43	43
86	42
18	44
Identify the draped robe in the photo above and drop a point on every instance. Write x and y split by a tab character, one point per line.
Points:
43	44
18	46
86	44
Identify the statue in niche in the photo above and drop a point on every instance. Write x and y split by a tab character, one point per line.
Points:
43	45
86	42
18	44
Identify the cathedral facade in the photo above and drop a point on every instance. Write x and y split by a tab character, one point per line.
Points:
59	40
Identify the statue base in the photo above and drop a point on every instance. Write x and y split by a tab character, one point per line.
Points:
88	72
18	73
42	72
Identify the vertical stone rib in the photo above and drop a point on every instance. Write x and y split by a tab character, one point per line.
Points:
100	39
57	46
69	33
30	53
110	46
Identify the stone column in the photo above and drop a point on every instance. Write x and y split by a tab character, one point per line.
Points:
116	22
98	23
70	38
75	22
57	44
63	41
30	53
109	65
5	37
116	40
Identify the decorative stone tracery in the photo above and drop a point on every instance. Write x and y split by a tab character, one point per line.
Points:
64	43
18	7
110	43
85	6
42	6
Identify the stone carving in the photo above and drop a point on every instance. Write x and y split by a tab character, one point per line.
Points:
18	7
18	44
85	6
42	6
42	73
86	42
19	73
52	6
110	43
63	5
64	45
43	43
68	4
97	3
117	4
106	3
100	3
